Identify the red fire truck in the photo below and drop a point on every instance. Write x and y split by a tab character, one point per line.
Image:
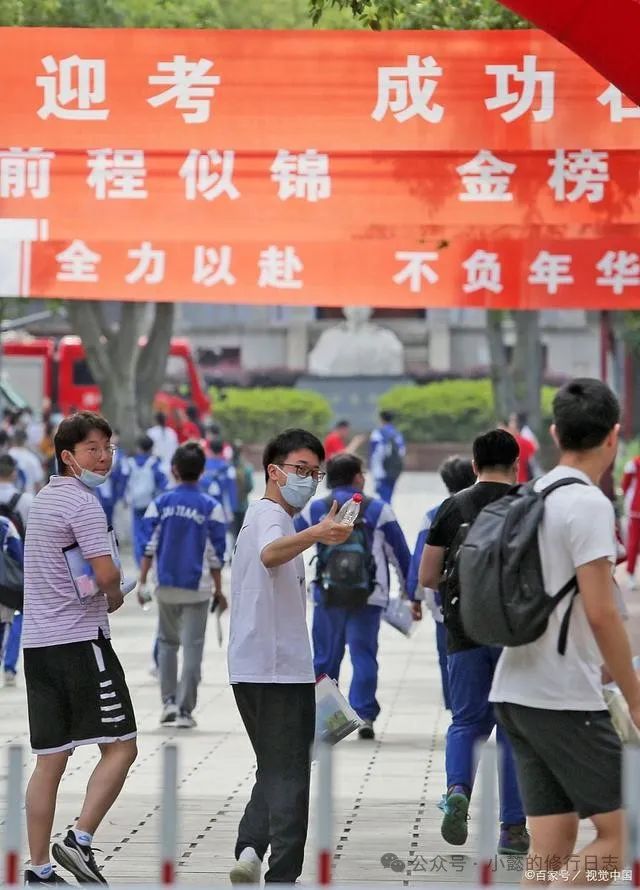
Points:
40	368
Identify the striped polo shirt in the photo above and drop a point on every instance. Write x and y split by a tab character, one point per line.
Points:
64	513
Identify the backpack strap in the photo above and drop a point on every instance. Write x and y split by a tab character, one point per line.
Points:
15	500
571	587
560	483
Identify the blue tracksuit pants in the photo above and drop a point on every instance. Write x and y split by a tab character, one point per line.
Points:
472	718
334	629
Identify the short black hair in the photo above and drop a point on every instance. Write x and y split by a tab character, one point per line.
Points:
216	446
342	469
192	413
8	466
75	429
387	416
343	423
281	446
585	411
161	418
189	461
457	473
145	443
495	450
19	437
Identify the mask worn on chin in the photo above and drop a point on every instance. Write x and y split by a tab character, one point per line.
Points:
89	478
298	492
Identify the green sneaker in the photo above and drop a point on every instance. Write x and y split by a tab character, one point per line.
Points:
514	840
456	814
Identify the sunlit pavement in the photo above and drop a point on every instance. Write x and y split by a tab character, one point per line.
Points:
386	791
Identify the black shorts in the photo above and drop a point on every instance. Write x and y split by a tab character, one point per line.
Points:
567	761
77	695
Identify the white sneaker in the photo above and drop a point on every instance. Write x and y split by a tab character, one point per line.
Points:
248	868
9	678
633	584
185	721
169	714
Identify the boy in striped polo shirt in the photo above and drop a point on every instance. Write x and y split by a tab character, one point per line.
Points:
76	690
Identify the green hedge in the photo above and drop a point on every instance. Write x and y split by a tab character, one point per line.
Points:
447	411
255	415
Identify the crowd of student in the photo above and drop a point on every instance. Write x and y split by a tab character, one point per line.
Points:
561	758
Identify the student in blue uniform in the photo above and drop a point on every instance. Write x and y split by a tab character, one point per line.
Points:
145	481
185	534
355	624
219	480
386	456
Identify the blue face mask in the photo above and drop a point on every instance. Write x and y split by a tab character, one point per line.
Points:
91	479
298	492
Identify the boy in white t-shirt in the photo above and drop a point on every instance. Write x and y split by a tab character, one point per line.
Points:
568	755
270	661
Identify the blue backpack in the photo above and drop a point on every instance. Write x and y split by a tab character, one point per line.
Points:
347	573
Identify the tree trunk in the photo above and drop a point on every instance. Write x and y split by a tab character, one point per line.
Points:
527	367
501	381
152	362
114	358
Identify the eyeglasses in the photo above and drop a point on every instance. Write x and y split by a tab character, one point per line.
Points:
96	450
304	472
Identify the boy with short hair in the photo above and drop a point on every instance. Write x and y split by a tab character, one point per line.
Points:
76	690
185	532
551	705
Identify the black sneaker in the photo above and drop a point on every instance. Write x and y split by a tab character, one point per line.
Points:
78	859
366	731
30	877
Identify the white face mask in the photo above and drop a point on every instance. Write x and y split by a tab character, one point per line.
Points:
89	478
297	492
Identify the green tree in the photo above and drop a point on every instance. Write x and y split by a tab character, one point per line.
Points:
129	374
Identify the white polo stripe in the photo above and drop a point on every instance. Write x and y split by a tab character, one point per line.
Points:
99	659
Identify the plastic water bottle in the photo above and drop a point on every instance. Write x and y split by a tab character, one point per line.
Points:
350	511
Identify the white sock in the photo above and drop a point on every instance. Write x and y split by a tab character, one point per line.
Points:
249	855
42	871
83	837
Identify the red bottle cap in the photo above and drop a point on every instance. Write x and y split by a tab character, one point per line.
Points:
357	498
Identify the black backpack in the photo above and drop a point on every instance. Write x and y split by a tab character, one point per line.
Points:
503	600
11	572
10	512
449	587
392	462
346	573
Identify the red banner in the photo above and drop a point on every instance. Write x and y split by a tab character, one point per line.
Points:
315	167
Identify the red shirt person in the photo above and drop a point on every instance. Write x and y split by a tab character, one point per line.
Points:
337	440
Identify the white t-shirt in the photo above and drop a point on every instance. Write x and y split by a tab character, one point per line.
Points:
269	639
31	466
578	527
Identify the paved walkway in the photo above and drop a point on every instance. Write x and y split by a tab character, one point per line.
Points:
386	791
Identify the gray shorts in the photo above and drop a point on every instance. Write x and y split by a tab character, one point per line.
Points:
567	761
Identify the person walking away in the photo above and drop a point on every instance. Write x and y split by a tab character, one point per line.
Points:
339	440
190	428
28	461
186	537
527	464
76	688
457	474
269	654
551	705
471	667
351	588
112	490
11	553
145	481
14	506
244	487
386	456
165	441
631	491
219	480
